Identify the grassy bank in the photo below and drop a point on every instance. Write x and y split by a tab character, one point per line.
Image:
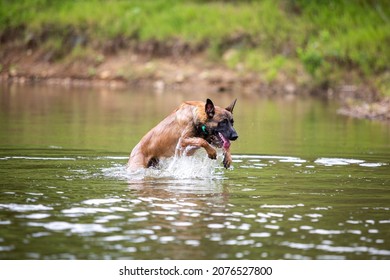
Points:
320	43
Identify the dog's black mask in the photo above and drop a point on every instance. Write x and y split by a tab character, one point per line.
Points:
226	128
219	130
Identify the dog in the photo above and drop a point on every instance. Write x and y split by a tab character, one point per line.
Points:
193	125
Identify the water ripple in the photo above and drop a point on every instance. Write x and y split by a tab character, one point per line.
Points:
36	158
25	207
75	228
345	161
255	161
101	201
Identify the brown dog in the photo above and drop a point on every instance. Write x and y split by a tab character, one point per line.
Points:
193	125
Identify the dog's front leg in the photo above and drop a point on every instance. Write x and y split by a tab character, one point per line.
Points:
198	143
227	158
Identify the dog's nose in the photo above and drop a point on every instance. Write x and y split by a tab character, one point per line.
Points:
233	137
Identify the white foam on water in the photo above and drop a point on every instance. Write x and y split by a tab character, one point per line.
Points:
187	170
198	166
337	161
372	164
75	228
24	207
101	201
269	157
37	158
346	161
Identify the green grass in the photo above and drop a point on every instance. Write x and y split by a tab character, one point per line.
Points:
326	38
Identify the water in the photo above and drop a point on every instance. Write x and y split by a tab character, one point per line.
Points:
305	183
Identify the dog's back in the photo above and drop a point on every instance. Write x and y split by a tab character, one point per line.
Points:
161	141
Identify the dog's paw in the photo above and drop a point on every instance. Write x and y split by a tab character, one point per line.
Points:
227	161
212	154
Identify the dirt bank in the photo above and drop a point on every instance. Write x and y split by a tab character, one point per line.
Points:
188	70
147	65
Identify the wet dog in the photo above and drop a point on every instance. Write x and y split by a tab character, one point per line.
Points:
193	125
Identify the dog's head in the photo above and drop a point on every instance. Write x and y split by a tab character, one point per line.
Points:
218	128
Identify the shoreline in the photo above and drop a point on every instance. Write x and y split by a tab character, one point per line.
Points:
127	69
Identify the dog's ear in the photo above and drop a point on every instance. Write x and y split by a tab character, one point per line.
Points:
231	106
209	108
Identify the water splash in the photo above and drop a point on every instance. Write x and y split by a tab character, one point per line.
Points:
198	166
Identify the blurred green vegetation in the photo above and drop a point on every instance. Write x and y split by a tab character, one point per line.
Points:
327	39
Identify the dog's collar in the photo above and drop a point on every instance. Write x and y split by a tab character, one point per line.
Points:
204	130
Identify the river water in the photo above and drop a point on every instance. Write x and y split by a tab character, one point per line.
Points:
306	183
